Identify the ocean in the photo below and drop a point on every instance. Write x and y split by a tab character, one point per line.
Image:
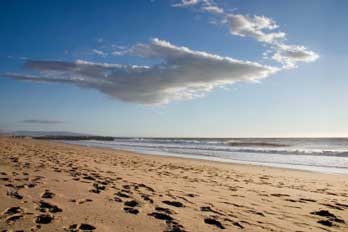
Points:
328	155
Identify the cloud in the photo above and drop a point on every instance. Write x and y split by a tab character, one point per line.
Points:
289	55
260	28
121	50
213	9
205	5
119	53
41	121
99	52
121	47
186	3
181	73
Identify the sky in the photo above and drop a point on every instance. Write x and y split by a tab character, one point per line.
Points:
175	68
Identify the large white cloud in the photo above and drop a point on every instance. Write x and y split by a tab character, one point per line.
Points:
181	73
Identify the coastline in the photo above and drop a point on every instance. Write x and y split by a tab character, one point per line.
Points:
290	166
197	195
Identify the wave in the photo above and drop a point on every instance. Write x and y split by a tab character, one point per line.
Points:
262	149
304	158
256	144
298	152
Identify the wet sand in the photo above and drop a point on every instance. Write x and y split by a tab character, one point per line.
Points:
50	186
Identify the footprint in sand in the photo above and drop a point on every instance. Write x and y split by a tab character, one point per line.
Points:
131	210
342	205
4	178
86	227
13	218
172	225
280	195
12	214
325	223
47	194
147	198
191	195
165	210
81	227
14	194
117	199
209	209
331	217
45	206
131	203
175	227
12	210
121	194
304	200
212	221
88	178
174	203
161	216
30	185
44	219
82	201
332	206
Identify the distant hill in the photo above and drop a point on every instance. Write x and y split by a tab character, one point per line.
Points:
46	133
59	135
74	138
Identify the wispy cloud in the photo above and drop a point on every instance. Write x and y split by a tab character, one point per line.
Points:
181	74
290	55
186	3
99	53
260	28
213	9
205	5
41	121
263	29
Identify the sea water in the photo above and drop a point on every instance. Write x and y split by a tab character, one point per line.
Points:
329	155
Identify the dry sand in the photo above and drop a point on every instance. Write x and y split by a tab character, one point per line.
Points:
48	186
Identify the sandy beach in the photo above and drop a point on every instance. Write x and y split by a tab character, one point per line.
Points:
50	186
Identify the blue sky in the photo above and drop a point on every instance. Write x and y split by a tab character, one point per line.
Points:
175	68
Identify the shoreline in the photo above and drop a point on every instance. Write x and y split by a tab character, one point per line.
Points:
106	189
295	167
